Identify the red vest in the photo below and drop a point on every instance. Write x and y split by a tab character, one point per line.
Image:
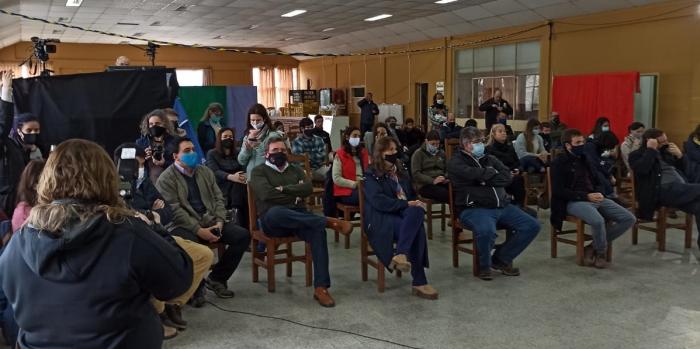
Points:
349	170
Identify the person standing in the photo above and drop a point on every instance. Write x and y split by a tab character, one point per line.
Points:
368	112
156	137
209	126
493	106
438	112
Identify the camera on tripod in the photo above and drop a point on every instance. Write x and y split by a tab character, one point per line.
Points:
42	48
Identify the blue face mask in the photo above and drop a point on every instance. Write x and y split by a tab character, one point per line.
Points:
431	149
216	118
478	150
605	128
190	159
536	131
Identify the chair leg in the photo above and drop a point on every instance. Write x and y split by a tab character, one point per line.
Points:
553	242
254	254
443	220
337	236
289	259
608	253
308	264
688	230
429	221
455	243
635	232
270	262
475	258
347	241
661	229
580	238
380	276
363	256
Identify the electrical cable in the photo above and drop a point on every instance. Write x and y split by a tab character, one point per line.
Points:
632	21
311	326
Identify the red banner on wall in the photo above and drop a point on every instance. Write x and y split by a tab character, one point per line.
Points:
581	99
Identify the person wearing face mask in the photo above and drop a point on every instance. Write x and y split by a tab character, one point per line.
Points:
499	146
380	130
18	144
230	175
546	134
349	166
659	166
450	130
393	215
632	141
493	106
602	124
600	152
199	214
209	126
156	137
503	120
280	192
308	143
258	131
558	129
437	113
692	150
482	203
578	190
411	136
529	146
428	170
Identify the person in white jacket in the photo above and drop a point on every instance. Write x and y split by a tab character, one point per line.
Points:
530	148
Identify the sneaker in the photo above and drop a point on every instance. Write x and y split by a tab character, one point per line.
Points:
399	262
506	269
600	261
485	275
174	313
425	292
588	256
219	288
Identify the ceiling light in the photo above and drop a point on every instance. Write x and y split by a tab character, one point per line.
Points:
73	3
126	23
327	29
294	13
253	27
444	1
288	39
376	18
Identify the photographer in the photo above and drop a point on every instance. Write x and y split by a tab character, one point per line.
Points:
156	136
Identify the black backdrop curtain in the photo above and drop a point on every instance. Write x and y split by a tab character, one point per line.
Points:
103	107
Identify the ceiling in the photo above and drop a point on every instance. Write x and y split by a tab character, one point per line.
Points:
258	23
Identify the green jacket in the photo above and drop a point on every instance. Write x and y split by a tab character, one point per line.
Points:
173	187
264	180
426	167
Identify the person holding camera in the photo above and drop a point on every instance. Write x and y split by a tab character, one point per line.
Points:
199	212
156	136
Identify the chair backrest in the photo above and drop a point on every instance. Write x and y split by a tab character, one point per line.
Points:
361	195
252	209
451	203
450	147
302	159
633	193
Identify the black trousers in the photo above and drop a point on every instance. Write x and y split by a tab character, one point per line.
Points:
517	189
436	192
683	196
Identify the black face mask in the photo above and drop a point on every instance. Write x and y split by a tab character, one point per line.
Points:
662	148
392	124
156	131
309	133
30	138
278	159
227	143
393	158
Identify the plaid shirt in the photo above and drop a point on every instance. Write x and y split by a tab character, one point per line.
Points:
314	146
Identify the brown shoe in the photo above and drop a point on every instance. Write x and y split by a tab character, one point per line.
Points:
339	225
425	292
588	257
401	263
601	262
323	297
169	332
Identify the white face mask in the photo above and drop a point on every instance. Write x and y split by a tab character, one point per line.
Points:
257	126
440	101
142	172
354	141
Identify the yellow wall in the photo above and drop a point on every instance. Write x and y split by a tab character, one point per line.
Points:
227	68
647	39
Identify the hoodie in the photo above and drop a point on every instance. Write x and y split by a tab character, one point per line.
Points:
90	285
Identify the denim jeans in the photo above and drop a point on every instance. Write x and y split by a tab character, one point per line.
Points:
532	164
607	219
409	234
483	221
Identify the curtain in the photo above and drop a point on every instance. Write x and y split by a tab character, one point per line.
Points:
266	90
206	77
284	85
581	99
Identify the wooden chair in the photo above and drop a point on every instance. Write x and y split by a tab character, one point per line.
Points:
661	220
461	244
580	231
348	212
366	251
431	214
316	197
268	259
219	247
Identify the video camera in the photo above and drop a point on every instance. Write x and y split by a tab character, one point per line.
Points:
127	167
42	48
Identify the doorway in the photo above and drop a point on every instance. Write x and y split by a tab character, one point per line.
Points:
645	100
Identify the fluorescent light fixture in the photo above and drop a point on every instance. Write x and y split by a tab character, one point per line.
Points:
444	1
328	29
376	18
294	13
73	3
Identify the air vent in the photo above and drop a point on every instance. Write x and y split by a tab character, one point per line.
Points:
126	23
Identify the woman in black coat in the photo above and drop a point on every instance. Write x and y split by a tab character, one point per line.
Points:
692	151
500	147
230	174
390	217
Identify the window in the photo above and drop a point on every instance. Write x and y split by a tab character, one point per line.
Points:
274	84
190	77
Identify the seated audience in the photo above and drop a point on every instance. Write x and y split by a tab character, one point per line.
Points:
393	129
349	166
26	193
577	190
320	132
280	190
546	136
450	130
428	170
470	123
632	141
482	204
199	214
558	129
230	176
530	148
393	215
93	265
692	150
602	124
658	167
379	130
600	153
410	136
314	147
258	131
209	126
499	146
279	127
156	138
503	120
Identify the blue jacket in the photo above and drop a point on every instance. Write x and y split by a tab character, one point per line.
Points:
368	111
381	206
692	152
206	136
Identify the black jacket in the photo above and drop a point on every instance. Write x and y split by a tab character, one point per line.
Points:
13	159
646	165
91	286
143	197
563	168
478	183
505	153
368	110
235	194
490	107
692	151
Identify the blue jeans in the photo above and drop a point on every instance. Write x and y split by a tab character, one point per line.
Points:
607	219
280	221
409	234
483	221
532	164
